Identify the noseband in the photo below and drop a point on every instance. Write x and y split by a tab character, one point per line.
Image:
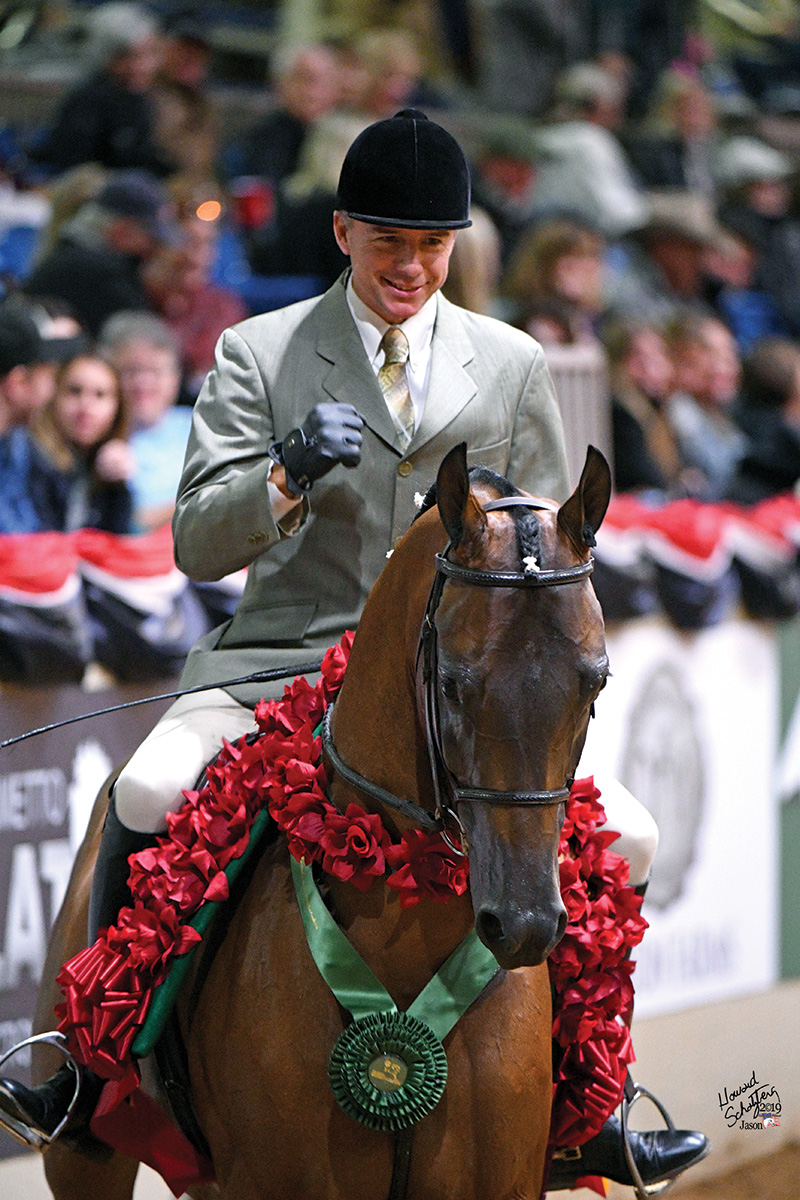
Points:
447	791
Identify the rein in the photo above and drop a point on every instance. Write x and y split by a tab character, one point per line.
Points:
447	790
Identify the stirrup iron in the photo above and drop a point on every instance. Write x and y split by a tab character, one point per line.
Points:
30	1135
633	1093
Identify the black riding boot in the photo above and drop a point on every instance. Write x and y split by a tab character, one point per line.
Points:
658	1155
40	1110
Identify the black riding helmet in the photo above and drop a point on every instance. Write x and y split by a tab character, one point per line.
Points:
406	171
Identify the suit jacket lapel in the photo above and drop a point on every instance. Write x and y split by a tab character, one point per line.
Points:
450	386
349	378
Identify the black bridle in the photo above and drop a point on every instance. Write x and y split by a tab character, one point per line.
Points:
447	791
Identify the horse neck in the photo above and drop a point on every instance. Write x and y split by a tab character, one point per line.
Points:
376	724
377	731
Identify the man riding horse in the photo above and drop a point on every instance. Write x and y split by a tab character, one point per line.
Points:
382	376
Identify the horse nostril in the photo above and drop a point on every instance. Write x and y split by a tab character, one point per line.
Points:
490	928
561	926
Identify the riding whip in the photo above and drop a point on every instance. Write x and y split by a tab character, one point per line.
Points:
271	676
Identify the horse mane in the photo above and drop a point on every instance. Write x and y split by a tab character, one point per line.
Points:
526	523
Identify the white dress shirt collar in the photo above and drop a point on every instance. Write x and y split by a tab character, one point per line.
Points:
418	329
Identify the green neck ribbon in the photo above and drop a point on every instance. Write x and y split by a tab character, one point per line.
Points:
388	1068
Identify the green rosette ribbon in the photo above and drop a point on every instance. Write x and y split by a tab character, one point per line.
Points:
388	1069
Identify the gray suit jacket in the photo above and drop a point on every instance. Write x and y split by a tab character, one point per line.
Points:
489	386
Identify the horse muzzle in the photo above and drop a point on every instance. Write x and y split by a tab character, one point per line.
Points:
521	938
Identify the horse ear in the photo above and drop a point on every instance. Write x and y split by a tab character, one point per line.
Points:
581	516
461	514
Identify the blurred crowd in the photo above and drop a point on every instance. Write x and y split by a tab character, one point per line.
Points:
635	185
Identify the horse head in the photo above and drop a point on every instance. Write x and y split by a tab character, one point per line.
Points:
517	670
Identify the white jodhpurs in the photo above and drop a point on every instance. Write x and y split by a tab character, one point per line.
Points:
173	755
638	832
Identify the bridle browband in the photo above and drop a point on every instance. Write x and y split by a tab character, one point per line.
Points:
444	781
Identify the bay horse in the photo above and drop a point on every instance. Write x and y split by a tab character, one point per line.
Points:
514	660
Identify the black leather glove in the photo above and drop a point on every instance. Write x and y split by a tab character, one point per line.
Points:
330	434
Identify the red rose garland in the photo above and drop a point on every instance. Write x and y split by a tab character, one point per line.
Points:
107	987
590	972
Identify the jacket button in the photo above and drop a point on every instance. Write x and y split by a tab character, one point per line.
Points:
405	468
256	537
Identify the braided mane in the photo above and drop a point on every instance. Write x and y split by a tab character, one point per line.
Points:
526	523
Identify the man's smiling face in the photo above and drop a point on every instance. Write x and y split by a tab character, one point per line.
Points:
394	270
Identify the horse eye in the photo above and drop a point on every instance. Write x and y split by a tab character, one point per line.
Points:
450	690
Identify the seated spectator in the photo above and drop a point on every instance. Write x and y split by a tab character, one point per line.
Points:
646	453
583	171
146	356
108	118
659	270
558	261
674	147
25	373
757	204
731	265
299	240
305	81
473	274
185	126
503	181
46	334
525	46
95	264
391	76
78	460
67	193
768	411
707	374
178	280
26	384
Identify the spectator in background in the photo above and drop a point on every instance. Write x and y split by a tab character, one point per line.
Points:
660	270
179	284
674	147
145	354
757	204
67	194
299	240
768	412
108	118
707	374
305	80
26	377
731	266
95	264
185	126
474	272
26	384
503	182
582	170
558	261
526	44
78	462
646	452
391	75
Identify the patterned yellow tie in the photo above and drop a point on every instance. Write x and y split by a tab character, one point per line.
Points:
394	384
